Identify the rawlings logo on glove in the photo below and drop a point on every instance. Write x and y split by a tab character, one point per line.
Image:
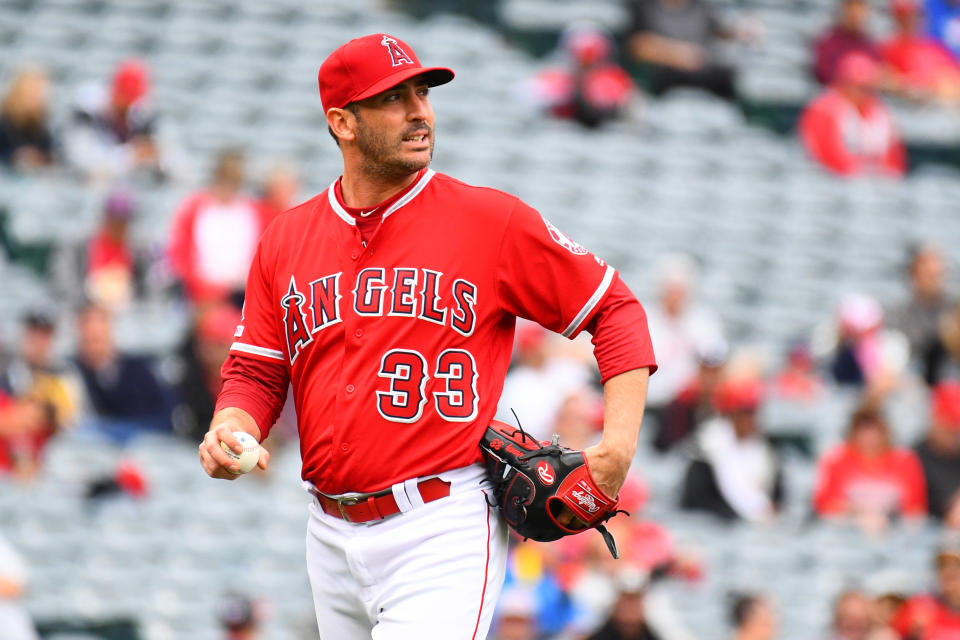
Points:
545	491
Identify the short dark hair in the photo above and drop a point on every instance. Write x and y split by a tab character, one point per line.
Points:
867	413
741	606
352	108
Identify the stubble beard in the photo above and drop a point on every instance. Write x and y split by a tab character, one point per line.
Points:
383	158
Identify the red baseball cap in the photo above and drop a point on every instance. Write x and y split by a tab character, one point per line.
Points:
366	66
744	394
131	81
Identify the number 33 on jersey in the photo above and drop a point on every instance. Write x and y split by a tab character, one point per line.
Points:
410	336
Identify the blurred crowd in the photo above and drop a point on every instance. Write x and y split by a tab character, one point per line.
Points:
848	129
705	406
705	402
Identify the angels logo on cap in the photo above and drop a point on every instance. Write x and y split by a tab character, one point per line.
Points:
397	55
358	70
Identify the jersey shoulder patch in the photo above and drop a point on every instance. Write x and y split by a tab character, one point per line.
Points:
563	240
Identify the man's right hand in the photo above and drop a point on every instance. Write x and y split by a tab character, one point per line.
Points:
214	459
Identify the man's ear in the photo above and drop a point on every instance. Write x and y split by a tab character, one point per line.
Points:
342	123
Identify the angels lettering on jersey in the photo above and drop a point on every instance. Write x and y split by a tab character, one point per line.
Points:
399	292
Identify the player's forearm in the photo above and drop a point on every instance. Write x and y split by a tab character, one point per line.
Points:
237	420
624	398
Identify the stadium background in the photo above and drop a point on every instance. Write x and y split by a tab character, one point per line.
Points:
778	240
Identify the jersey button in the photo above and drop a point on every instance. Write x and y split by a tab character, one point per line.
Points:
355	255
358	333
350	388
345	447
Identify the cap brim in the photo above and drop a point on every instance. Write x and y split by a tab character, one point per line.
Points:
433	75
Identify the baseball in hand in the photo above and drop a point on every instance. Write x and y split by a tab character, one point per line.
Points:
251	451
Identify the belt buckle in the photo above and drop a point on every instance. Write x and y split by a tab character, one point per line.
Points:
348	501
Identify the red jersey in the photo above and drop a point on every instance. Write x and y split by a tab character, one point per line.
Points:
211	244
926	617
397	348
850	141
105	252
893	483
921	62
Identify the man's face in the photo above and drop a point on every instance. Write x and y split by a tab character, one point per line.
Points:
948	566
516	627
856	15
628	615
35	345
95	336
763	621
853	618
744	422
928	274
394	130
870	439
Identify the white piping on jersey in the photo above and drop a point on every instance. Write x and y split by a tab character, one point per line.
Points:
413	193
592	302
335	205
259	351
346	217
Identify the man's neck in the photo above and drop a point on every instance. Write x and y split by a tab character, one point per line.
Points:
361	191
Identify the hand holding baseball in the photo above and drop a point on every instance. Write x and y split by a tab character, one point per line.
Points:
229	449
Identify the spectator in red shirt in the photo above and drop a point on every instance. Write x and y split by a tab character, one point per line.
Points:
109	278
24	429
935	616
589	87
922	68
849	34
848	129
215	234
798	382
868	479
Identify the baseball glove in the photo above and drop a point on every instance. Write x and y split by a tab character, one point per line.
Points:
544	490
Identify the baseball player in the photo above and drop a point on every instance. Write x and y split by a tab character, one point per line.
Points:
389	302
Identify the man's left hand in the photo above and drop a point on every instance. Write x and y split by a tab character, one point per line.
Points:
608	468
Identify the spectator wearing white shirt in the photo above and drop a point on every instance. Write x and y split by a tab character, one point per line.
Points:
680	328
736	473
15	623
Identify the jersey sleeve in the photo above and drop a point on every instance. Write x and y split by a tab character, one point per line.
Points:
621	339
257	335
545	276
256	386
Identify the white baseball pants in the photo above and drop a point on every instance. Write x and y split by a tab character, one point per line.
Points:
432	571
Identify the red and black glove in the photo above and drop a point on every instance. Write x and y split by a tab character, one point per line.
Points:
545	491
